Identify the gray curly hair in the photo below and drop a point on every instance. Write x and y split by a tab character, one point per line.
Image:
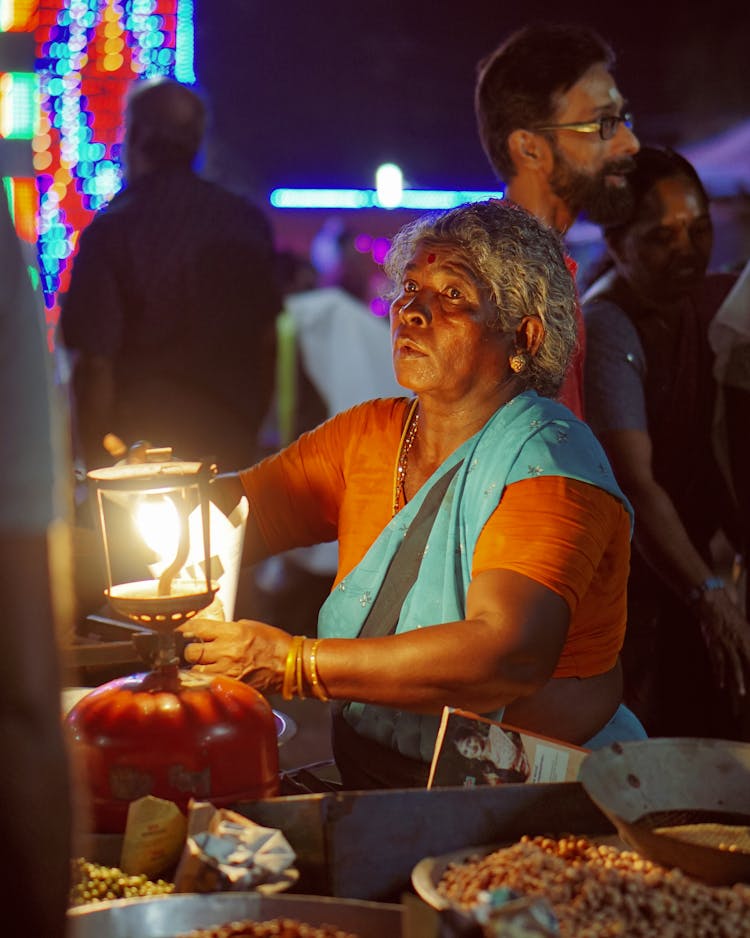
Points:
520	262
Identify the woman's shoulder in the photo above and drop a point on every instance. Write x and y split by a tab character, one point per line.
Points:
526	422
545	415
557	443
379	414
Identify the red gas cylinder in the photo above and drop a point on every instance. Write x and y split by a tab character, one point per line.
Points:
176	735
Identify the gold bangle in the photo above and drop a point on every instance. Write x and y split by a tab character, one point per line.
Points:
299	669
317	685
287	688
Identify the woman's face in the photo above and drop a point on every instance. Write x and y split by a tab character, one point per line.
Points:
470	747
440	327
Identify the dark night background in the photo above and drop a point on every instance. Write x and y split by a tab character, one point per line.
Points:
320	93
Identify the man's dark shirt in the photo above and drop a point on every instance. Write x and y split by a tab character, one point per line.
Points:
174	282
647	372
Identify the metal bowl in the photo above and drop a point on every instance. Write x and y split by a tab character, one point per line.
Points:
168	916
648	786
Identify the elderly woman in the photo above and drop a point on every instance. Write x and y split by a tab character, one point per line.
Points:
483	541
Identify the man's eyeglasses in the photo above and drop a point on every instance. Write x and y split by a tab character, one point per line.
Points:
606	126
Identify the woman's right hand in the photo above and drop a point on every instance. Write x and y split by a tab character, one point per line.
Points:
245	650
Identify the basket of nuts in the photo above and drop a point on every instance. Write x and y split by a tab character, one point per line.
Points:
679	802
595	888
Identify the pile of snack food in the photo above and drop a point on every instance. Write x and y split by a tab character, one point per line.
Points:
273	928
91	882
599	891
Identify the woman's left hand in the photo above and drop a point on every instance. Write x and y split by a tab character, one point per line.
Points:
245	650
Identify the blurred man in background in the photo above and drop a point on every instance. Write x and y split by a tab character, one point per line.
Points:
650	398
555	128
172	303
35	810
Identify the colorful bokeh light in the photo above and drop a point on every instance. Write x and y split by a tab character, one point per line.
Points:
18	16
88	52
19	105
418	199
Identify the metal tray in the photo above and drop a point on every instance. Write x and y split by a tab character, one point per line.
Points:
168	916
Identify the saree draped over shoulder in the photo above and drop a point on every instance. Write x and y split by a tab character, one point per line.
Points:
528	437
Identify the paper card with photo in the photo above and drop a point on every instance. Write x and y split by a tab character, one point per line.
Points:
474	750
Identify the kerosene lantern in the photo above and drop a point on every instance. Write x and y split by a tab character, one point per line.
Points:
167	732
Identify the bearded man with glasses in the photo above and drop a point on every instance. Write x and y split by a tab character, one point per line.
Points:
556	130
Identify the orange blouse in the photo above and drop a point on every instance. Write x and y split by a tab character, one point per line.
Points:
571	537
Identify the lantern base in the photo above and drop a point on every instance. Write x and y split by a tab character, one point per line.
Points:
141	603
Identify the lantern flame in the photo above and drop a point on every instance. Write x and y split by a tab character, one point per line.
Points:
158	523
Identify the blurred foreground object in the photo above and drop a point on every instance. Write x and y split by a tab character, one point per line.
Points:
35	818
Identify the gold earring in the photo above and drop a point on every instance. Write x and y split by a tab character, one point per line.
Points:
518	362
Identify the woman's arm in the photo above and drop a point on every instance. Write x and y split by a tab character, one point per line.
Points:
293	495
297	495
506	648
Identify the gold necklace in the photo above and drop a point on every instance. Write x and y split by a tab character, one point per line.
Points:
402	461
